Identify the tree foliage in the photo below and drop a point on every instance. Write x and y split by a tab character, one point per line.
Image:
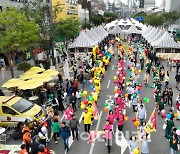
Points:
154	19
96	19
16	31
68	28
109	16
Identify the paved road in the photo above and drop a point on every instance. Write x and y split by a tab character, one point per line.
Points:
159	144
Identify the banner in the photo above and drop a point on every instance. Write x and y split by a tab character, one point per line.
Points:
151	124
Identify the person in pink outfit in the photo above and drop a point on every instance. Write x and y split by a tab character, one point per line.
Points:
120	119
108	135
69	112
111	118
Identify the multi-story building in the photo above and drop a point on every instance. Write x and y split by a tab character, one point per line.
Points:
69	9
172	5
83	14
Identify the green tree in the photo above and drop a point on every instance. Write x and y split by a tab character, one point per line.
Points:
170	17
16	33
139	14
67	28
108	17
96	19
154	20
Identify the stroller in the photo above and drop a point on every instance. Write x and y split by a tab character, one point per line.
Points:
18	132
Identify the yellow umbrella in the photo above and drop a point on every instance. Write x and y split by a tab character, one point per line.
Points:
27	75
51	72
12	83
30	84
36	69
42	77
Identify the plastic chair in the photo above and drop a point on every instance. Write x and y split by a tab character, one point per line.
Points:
3	138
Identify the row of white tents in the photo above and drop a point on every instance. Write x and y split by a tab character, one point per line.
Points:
89	38
156	37
159	38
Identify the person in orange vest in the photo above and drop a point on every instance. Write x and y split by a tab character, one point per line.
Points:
27	139
23	149
25	127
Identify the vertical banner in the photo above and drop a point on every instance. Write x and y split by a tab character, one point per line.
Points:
66	69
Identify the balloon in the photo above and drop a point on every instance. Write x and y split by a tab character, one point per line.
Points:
152	86
168	116
85	101
90	98
81	94
117	72
134	95
135	151
175	115
123	85
179	117
163	111
132	78
133	119
179	128
136	123
116	88
126	118
139	71
106	104
91	87
102	75
138	88
84	93
105	109
115	91
154	91
82	106
146	99
98	74
178	132
127	83
82	103
124	78
139	91
116	95
140	85
115	77
109	108
126	95
94	89
90	81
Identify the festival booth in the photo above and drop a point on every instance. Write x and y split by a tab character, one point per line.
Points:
116	30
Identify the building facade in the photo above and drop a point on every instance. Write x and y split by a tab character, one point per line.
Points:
172	5
69	9
83	14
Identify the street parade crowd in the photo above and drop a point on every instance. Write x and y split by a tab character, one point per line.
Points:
68	96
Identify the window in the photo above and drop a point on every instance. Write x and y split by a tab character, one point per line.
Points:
68	11
67	1
7	110
22	106
0	8
47	1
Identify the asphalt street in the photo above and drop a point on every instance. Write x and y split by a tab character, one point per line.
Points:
158	145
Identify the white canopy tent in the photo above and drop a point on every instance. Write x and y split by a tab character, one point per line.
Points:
96	35
90	35
156	36
103	30
83	41
133	30
116	30
122	22
146	31
109	25
151	33
165	42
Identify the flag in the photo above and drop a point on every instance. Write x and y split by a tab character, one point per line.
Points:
95	111
151	124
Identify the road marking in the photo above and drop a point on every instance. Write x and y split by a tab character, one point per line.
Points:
112	67
97	127
115	57
121	141
108	84
62	117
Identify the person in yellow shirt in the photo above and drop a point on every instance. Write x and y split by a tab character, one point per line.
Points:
87	120
90	110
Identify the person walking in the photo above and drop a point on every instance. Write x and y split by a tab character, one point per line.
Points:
34	145
27	139
65	134
73	101
133	144
145	144
141	114
56	128
146	79
87	120
177	77
78	98
108	135
3	72
178	106
111	118
170	97
74	124
169	126
120	119
23	149
173	141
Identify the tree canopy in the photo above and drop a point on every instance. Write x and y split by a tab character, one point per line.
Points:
68	28
16	31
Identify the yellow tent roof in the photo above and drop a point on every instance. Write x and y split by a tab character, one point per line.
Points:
51	72
42	77
30	84
12	83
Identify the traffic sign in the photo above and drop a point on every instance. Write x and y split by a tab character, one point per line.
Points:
140	18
